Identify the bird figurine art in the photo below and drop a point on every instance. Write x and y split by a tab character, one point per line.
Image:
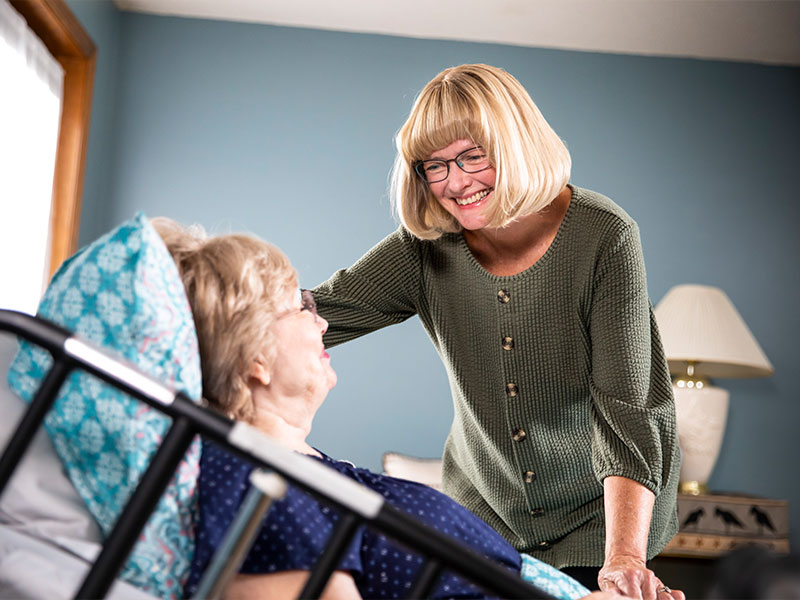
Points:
729	519
762	519
693	518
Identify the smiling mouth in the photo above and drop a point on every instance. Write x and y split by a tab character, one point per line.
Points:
476	197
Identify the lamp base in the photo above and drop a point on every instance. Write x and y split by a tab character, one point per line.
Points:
693	488
701	415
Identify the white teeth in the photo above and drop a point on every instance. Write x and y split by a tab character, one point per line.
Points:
472	199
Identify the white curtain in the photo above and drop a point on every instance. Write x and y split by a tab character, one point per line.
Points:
31	82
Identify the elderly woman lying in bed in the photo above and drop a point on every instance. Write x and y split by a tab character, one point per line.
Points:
264	362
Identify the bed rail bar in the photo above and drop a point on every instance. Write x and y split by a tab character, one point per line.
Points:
358	505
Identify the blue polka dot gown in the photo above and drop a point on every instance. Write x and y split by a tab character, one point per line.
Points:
296	529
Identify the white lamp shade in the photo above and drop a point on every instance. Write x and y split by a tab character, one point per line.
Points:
699	324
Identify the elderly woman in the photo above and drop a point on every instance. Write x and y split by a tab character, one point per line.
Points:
533	291
264	362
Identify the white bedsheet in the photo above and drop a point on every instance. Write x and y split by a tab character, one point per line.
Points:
32	568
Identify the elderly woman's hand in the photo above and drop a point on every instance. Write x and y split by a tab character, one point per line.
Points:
605	596
630	577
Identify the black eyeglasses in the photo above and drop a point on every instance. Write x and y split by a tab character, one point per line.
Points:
471	160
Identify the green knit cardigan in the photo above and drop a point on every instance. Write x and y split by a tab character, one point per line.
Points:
558	374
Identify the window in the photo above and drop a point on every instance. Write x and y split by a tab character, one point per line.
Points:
59	31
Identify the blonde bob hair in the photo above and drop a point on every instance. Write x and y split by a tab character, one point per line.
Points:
488	106
237	286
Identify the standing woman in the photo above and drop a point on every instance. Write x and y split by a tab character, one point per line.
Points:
533	292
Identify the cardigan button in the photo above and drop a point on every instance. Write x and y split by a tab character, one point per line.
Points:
519	435
544	545
508	343
511	392
529	477
537	512
503	296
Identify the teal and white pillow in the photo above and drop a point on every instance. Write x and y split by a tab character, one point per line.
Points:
551	580
124	293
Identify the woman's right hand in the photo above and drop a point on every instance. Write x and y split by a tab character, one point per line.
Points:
673	594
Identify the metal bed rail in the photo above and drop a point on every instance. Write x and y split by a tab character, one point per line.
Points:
358	505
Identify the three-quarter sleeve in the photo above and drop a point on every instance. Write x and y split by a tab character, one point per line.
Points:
381	289
633	408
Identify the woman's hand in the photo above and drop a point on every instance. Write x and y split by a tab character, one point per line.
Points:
604	596
630	577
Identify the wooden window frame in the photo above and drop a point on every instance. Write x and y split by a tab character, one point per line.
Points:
68	42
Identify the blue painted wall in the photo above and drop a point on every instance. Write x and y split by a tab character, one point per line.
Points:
287	133
102	22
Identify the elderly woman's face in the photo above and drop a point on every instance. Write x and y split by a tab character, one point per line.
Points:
302	367
464	195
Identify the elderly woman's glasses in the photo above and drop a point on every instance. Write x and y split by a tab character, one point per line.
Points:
471	160
307	302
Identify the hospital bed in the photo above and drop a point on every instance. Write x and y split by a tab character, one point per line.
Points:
357	505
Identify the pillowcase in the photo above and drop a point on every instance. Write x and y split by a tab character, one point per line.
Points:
421	470
123	292
550	580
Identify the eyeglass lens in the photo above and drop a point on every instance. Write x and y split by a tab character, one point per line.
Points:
308	302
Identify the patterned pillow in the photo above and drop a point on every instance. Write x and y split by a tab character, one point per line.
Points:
550	580
123	292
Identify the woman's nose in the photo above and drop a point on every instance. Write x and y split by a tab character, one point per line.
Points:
323	324
458	179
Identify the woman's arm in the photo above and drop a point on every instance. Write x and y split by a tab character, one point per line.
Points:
289	584
379	290
628	508
634	437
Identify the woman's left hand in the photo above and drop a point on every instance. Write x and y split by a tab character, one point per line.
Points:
630	577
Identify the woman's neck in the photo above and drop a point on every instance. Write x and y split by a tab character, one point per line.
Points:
289	428
512	249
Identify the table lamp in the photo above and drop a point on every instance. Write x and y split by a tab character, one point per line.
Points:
704	336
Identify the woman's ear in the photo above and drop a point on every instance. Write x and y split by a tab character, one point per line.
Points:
259	371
